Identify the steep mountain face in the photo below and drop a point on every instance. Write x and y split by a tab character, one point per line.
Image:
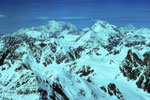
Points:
101	33
137	69
56	61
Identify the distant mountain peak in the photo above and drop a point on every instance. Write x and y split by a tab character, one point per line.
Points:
59	24
99	25
49	29
128	28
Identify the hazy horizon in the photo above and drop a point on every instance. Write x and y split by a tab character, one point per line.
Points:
17	14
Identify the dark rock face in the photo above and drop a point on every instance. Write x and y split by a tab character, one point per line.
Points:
42	45
43	94
84	71
115	40
147	58
53	47
135	43
112	90
58	88
3	57
36	52
131	66
60	57
134	68
51	89
144	79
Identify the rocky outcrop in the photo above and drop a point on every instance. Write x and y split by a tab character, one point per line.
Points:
131	67
134	68
112	90
144	80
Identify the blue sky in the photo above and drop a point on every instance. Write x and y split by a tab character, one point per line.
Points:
16	14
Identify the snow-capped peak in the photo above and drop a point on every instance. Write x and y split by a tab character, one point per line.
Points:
102	25
55	26
102	32
128	29
49	29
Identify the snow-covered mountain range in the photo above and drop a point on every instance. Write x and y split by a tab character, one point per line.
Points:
57	61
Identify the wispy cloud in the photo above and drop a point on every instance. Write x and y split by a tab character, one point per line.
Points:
63	18
2	16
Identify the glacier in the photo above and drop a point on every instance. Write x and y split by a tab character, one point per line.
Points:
57	61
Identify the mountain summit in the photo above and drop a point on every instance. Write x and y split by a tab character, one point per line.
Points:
49	29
